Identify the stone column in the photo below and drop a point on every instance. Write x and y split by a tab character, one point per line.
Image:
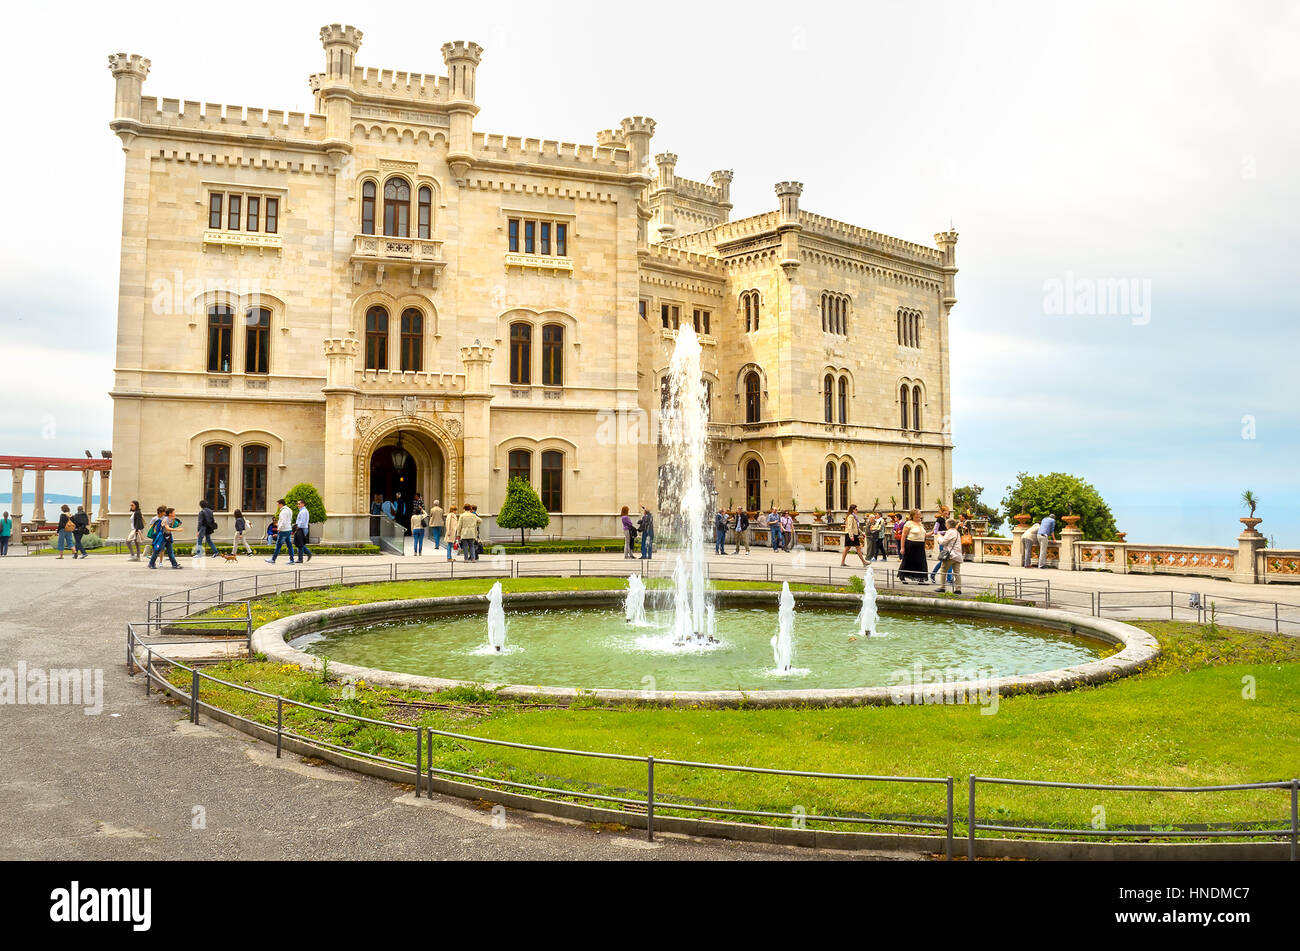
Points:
476	476
16	503
1018	544
1249	544
1069	535
38	506
342	433
87	488
102	514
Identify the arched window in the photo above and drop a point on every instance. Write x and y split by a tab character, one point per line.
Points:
368	208
397	208
844	486
216	476
903	396
824	327
828	391
254	499
221	323
521	354
844	399
916	474
520	465
899	322
552	355
412	339
749	318
907	488
916	408
830	486
257	341
752	408
553	480
753	485
376	339
424	219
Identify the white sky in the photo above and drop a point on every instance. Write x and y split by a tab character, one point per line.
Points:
1152	142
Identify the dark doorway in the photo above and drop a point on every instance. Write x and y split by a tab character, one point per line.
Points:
387	480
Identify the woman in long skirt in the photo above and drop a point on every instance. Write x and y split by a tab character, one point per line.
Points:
914	567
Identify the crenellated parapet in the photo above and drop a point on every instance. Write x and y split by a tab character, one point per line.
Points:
549	152
851	234
172	114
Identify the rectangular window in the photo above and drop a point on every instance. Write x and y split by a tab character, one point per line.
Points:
641	309
530	237
254	479
514	234
562	239
214	210
272	215
233	217
705	320
546	237
675	313
521	465
663	315
553	481
695	319
220	325
257	341
254	213
412	343
216	476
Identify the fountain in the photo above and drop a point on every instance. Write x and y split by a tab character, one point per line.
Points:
496	619
634	603
783	642
868	617
685	428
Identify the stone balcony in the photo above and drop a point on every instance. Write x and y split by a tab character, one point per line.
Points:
383	253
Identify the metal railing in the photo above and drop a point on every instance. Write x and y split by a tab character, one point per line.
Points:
1292	831
650	802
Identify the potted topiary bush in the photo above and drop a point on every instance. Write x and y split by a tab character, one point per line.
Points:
1250	500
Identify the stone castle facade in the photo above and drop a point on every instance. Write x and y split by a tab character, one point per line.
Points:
376	297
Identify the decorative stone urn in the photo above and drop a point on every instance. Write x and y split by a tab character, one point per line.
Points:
1250	524
1022	519
1071	521
1121	535
819	516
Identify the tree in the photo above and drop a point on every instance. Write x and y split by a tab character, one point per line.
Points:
307	492
522	508
1060	493
966	498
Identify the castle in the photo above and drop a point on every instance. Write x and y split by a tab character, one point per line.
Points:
377	298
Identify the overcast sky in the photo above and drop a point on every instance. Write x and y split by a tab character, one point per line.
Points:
1154	144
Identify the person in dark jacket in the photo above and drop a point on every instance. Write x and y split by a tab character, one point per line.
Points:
742	530
241	526
647	526
207	526
81	527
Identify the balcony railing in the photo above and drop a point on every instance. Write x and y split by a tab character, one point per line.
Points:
383	249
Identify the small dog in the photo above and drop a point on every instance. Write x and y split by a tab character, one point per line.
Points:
228	557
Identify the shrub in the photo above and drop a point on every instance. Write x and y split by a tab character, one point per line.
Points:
522	508
91	540
315	504
1055	494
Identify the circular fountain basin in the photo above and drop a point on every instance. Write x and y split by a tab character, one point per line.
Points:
565	644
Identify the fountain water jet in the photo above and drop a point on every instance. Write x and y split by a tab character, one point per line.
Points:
634	603
868	617
783	642
685	429
496	619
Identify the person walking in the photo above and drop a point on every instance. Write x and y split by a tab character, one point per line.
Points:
1045	532
940	526
6	532
453	530
469	532
419	525
787	531
897	532
852	537
163	532
720	523
283	532
742	530
878	537
207	525
950	553
774	529
629	533
241	526
435	523
64	527
301	532
647	527
1027	541
80	528
913	567
135	537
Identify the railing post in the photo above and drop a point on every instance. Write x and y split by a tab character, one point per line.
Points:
429	762
1171	604
194	696
1295	816
221	592
1276	628
148	665
279	725
970	822
947	848
392	571
419	760
650	801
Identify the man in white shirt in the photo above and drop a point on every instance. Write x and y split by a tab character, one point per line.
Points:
301	528
950	553
283	532
1027	543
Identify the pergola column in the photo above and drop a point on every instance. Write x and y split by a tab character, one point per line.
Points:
102	514
87	484
16	502
38	507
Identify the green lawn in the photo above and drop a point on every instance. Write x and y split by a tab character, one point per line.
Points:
1185	721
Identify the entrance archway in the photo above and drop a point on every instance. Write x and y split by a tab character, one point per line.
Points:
406	465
